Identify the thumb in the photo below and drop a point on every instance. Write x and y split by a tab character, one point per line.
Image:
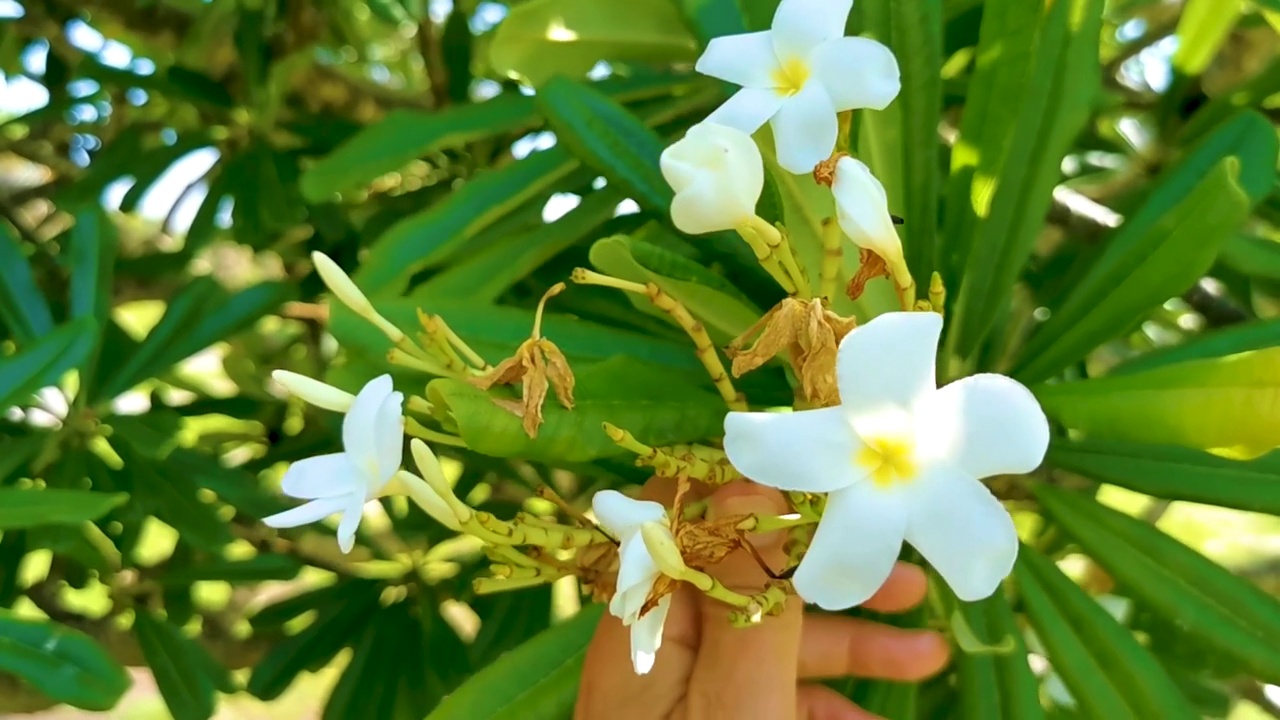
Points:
747	672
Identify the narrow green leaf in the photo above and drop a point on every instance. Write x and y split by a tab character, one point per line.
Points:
255	569
657	408
1202	28
887	699
1062	83
485	275
44	361
536	681
91	247
1175	473
402	135
184	683
66	665
22	306
33	507
713	18
1203	598
709	297
1218	343
542	38
172	497
369	683
1219	403
1253	256
1019	687
1108	673
1224	105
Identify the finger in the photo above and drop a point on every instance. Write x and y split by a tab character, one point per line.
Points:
819	702
833	646
746	672
610	687
905	589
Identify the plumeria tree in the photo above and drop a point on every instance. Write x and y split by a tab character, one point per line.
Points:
970	283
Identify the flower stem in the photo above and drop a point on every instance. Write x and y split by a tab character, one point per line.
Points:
766	257
417	361
551	292
417	429
491	585
767	523
832	257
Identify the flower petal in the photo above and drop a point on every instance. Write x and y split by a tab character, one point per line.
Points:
388	437
809	450
854	549
805	128
350	522
747	110
984	425
888	364
321	476
747	60
359	426
718	175
306	513
800	26
636	570
862	209
857	73
963	531
623	516
646	636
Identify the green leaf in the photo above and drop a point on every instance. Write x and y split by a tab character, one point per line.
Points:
887	699
542	38
22	306
255	569
172	497
1223	105
656	407
1227	341
1175	473
914	32
66	665
183	680
1253	256
709	297
1144	265
339	622
33	507
196	317
1108	673
91	252
496	331
1059	91
536	681
403	135
1203	26
1203	598
370	683
44	361
485	275
711	19
1231	402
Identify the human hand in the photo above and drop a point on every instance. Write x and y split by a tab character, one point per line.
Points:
707	668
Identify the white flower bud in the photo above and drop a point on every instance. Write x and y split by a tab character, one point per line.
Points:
345	290
862	209
662	547
718	176
320	394
434	479
425	497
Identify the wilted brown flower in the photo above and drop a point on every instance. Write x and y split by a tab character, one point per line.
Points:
872	266
809	332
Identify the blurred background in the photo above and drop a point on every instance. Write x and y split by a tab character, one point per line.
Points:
168	166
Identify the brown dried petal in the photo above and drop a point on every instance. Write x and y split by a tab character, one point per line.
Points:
509	371
873	266
706	543
780	326
662	587
559	372
515	407
533	394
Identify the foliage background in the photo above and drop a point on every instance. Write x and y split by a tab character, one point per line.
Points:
1101	176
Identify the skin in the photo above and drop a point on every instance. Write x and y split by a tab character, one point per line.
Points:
707	669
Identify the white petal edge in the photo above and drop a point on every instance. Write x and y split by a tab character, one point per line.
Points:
706	207
747	59
646	636
359	425
963	531
889	363
321	476
984	425
854	549
800	26
622	515
747	110
862	209
315	392
636	570
388	438
306	513
808	450
858	73
350	522
805	129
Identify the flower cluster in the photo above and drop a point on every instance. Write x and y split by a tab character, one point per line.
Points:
873	452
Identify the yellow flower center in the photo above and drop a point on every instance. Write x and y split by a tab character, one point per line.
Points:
888	460
790	76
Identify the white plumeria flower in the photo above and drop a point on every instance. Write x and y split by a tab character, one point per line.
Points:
315	392
862	210
625	519
798	75
718	175
901	459
373	446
